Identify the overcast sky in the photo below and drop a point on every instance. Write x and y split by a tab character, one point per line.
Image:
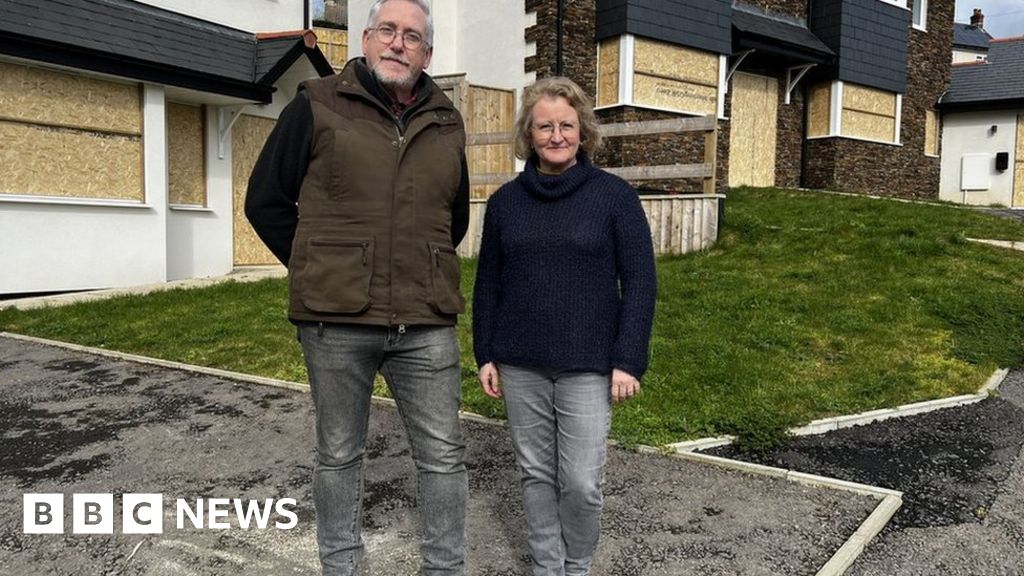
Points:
1002	17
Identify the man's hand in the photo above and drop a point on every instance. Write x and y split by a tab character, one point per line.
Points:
624	386
489	380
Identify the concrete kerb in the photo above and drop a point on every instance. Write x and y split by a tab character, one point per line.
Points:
247	274
1009	244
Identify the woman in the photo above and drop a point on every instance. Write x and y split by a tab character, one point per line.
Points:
562	313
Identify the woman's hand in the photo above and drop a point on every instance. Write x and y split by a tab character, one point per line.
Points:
624	386
489	380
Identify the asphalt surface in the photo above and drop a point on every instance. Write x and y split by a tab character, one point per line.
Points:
76	423
962	476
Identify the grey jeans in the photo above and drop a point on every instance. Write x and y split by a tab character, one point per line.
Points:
421	367
559	423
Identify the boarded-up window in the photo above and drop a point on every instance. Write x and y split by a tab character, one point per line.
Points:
931	133
248	136
334	44
675	77
608	72
819	110
869	113
186	158
69	136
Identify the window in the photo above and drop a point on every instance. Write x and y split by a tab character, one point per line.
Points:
900	3
920	14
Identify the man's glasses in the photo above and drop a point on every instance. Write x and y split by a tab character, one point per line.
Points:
411	40
547	129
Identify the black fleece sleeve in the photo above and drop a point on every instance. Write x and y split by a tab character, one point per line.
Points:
273	192
460	208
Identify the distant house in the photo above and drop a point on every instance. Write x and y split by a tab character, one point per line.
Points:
127	132
970	41
836	94
983	129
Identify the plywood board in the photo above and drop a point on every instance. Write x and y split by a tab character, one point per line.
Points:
870	126
46	97
186	156
674	95
676	62
608	72
870	100
69	163
931	133
247	138
819	107
1018	177
754	129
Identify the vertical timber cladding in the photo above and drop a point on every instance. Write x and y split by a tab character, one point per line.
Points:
754	130
869	113
247	138
186	164
334	44
69	136
489	110
1018	176
672	77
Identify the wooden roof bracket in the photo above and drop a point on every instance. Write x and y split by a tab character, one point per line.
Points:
792	81
739	57
226	118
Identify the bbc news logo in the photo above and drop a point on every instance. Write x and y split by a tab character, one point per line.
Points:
144	513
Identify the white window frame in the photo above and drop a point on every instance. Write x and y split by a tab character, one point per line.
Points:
920	15
900	3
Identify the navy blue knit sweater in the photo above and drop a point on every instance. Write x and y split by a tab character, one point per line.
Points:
566	274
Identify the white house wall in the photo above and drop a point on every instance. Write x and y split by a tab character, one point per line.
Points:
971	133
50	244
249	15
485	44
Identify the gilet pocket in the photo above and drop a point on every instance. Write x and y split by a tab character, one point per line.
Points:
444	276
336	277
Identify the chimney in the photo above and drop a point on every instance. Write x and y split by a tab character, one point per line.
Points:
978	19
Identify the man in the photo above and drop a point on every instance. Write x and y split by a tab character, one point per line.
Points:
362	191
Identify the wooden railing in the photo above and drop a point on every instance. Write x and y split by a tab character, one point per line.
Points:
679	223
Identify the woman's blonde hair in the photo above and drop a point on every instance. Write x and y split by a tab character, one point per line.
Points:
553	87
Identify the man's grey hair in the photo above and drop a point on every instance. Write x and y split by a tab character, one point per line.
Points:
371	22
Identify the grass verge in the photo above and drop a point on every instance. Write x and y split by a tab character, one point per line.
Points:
810	305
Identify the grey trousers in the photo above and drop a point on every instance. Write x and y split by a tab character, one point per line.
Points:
559	423
421	367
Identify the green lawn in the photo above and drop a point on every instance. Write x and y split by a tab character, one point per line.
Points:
810	305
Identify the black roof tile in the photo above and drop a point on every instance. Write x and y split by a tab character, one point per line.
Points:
967	36
1000	80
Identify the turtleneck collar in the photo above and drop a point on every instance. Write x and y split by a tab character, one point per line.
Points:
553	187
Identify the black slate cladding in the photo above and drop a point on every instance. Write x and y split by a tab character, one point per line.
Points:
870	38
701	24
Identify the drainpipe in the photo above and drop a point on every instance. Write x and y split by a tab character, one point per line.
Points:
559	24
306	22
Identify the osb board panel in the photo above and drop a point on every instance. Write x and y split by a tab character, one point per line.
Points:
818	106
674	95
69	163
608	72
54	98
677	62
1018	177
870	126
489	110
931	133
753	130
334	44
247	139
186	158
869	100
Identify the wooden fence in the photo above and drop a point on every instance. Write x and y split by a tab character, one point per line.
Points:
679	223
